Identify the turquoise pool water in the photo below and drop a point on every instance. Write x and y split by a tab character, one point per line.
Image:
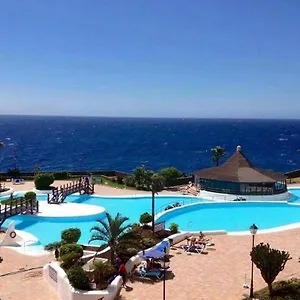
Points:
233	216
295	195
230	216
48	230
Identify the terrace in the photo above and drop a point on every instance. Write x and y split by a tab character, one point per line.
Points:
219	274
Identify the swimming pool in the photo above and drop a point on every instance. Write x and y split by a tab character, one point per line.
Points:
198	215
48	229
233	216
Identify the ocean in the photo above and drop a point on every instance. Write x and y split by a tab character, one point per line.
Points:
97	143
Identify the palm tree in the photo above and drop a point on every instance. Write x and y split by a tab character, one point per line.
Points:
114	233
217	152
157	185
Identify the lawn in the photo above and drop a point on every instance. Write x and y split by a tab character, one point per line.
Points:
111	183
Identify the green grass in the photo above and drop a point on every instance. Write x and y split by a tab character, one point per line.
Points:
283	290
107	182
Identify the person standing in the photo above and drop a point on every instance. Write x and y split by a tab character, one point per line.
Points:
123	274
56	253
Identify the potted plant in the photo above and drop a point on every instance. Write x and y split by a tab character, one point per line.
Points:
102	272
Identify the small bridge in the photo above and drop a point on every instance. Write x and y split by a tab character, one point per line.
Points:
17	206
59	194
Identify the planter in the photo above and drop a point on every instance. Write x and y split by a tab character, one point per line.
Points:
57	278
101	286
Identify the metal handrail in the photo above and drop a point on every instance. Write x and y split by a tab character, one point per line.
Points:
180	202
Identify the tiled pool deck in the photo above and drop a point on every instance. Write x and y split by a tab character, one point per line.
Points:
220	274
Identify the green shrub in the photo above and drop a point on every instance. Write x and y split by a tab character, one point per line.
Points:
143	178
284	290
148	243
103	271
145	218
61	175
78	278
158	183
270	262
70	248
170	174
129	181
174	227
69	260
132	252
71	235
53	246
43	181
13	201
30	196
119	180
135	226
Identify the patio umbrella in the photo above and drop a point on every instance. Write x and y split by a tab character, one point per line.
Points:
162	246
152	253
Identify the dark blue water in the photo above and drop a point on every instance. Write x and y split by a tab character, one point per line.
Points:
77	143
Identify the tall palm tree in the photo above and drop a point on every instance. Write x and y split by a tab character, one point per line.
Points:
114	233
157	185
217	152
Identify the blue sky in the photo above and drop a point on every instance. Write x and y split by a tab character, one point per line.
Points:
150	58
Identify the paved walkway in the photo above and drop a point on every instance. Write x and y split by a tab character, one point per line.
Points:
218	274
99	189
24	285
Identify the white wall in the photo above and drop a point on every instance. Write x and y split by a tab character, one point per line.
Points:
183	235
66	292
229	197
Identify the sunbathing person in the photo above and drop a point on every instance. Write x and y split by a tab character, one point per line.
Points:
188	241
203	238
149	264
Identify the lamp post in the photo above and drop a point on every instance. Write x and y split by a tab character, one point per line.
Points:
164	282
253	230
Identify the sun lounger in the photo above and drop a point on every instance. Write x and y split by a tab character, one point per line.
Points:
198	249
151	273
194	248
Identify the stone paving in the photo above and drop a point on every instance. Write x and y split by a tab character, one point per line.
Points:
218	274
24	285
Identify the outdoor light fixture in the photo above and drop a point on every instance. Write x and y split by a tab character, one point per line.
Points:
253	230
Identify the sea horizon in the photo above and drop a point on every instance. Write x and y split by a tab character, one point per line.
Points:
122	143
148	117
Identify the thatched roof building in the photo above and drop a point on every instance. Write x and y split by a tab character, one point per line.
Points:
239	176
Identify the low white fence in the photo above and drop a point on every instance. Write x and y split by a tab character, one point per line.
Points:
213	196
58	279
